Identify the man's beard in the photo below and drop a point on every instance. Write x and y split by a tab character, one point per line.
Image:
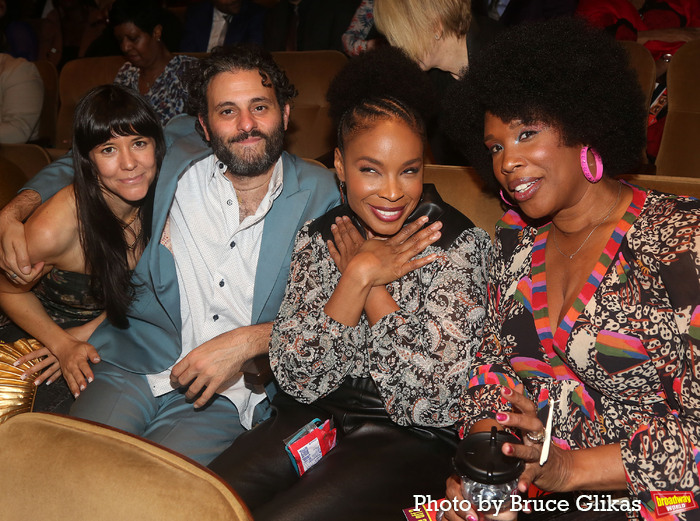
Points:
247	164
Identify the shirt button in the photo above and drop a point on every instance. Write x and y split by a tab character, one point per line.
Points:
215	317
233	244
221	283
229	202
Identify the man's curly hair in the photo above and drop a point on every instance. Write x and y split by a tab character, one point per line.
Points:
563	73
244	57
382	83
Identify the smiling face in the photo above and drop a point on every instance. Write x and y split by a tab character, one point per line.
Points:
244	122
534	167
126	166
137	46
382	168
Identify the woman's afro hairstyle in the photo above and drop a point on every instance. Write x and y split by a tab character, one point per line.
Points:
382	83
563	73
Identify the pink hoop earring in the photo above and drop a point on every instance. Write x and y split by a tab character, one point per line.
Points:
503	198
598	165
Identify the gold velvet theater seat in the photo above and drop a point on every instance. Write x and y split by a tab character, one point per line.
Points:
55	467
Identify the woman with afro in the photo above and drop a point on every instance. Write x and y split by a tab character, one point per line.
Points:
594	289
382	314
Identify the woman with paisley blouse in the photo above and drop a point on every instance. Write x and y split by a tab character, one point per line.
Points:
594	292
382	314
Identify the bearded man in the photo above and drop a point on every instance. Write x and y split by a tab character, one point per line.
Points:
228	204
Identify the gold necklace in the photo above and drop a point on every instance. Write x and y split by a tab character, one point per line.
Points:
554	231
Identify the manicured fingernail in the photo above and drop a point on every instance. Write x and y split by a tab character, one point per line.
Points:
23	376
16	363
507	448
501	417
507	391
90	380
82	387
472	518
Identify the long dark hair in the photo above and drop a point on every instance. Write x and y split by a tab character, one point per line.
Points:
103	113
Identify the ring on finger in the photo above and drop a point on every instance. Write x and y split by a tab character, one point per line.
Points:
13	275
535	437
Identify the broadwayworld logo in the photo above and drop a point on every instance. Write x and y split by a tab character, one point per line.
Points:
673	502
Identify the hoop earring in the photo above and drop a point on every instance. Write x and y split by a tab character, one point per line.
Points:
342	192
598	165
503	198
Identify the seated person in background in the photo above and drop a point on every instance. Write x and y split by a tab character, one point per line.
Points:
359	36
151	68
594	291
228	205
662	27
212	23
21	99
382	314
442	37
88	237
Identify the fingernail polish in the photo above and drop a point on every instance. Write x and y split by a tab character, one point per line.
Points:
507	391
471	518
23	377
82	387
501	417
90	380
15	364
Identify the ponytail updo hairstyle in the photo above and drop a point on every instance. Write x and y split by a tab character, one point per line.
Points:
382	83
105	112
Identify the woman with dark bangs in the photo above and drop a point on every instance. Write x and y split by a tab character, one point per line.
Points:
89	237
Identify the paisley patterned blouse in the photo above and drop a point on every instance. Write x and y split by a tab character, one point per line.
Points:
624	361
168	93
418	356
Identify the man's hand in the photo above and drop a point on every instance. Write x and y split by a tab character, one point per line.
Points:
213	366
14	259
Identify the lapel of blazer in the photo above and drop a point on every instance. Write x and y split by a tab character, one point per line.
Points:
279	231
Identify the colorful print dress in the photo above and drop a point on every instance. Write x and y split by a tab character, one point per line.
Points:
624	361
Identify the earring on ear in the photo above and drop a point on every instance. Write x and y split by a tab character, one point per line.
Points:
437	36
503	198
342	192
598	165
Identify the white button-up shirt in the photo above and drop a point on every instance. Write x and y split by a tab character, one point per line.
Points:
216	258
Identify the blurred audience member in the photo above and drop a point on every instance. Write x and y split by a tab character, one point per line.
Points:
308	25
509	12
213	23
442	35
62	30
21	98
17	37
358	37
662	27
151	68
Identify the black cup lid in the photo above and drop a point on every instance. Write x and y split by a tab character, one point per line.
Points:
479	458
